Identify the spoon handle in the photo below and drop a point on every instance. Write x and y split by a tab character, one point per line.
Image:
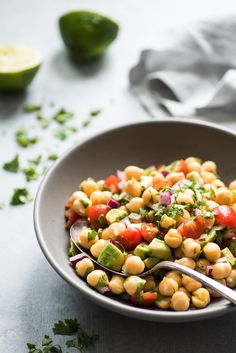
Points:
207	281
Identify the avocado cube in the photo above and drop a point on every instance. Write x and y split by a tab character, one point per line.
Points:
158	248
141	250
115	215
150	262
111	257
229	256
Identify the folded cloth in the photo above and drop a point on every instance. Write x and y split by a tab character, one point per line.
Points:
194	76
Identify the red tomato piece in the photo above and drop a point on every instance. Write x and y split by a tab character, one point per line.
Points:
192	229
225	215
112	183
145	299
130	238
182	167
96	215
148	231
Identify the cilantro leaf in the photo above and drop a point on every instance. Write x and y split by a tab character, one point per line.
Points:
175	210
82	341
31	173
206	214
13	165
52	157
86	123
91	235
60	134
30	108
68	327
46	340
23	139
36	160
20	197
95	112
62	116
44	122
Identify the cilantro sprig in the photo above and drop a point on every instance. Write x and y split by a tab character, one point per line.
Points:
12	166
20	197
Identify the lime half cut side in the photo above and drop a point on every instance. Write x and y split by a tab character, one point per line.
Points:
18	66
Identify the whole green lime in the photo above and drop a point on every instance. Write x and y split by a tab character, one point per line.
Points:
87	34
18	66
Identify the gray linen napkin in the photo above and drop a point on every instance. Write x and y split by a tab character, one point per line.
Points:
195	76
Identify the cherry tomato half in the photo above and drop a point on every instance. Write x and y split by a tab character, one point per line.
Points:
112	183
130	238
96	215
182	167
145	299
192	229
225	215
148	231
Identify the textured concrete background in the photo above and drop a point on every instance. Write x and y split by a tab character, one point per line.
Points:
32	295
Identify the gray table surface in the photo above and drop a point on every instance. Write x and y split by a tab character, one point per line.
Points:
32	295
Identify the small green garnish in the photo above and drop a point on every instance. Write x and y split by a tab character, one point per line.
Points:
13	165
66	328
62	116
23	139
2	205
175	210
95	112
91	235
20	197
72	129
47	346
86	123
31	173
30	108
36	160
101	221
44	122
206	214
84	202
60	134
52	157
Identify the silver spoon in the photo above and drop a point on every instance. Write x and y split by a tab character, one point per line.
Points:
224	291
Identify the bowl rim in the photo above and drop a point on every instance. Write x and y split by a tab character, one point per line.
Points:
104	301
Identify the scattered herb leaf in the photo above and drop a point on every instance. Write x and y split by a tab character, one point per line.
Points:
95	112
44	122
86	123
66	327
30	108
31	173
36	160
52	157
60	134
20	197
62	116
13	165
23	139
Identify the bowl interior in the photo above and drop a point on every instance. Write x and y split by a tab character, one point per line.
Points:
141	144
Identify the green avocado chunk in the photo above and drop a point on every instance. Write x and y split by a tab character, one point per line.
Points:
115	215
72	249
111	257
229	256
150	262
142	250
158	248
232	247
207	238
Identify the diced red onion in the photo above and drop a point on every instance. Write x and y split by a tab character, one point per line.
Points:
222	260
74	259
120	174
113	203
135	217
103	290
126	221
146	181
165	173
165	197
209	270
121	184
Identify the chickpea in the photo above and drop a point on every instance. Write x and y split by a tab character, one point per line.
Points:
116	284
184	290
224	196
133	188
178	253
115	229
95	197
201	265
194	167
163	303
217	183
173	238
97	248
212	252
184	198
168	286
135	204
231	279
97	279
212	292
167	222
100	184
84	267
187	262
87	237
200	298
88	186
208	177
150	195
191	248
158	180
211	204
78	195
133	265
192	159
150	283
209	166
174	177
80	205
105	197
190	283
180	301
232	185
176	276
221	270
182	219
105	234
134	285
133	172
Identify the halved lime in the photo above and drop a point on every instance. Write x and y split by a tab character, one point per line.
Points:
87	34
18	66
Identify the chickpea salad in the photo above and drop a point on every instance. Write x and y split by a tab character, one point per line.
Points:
180	212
